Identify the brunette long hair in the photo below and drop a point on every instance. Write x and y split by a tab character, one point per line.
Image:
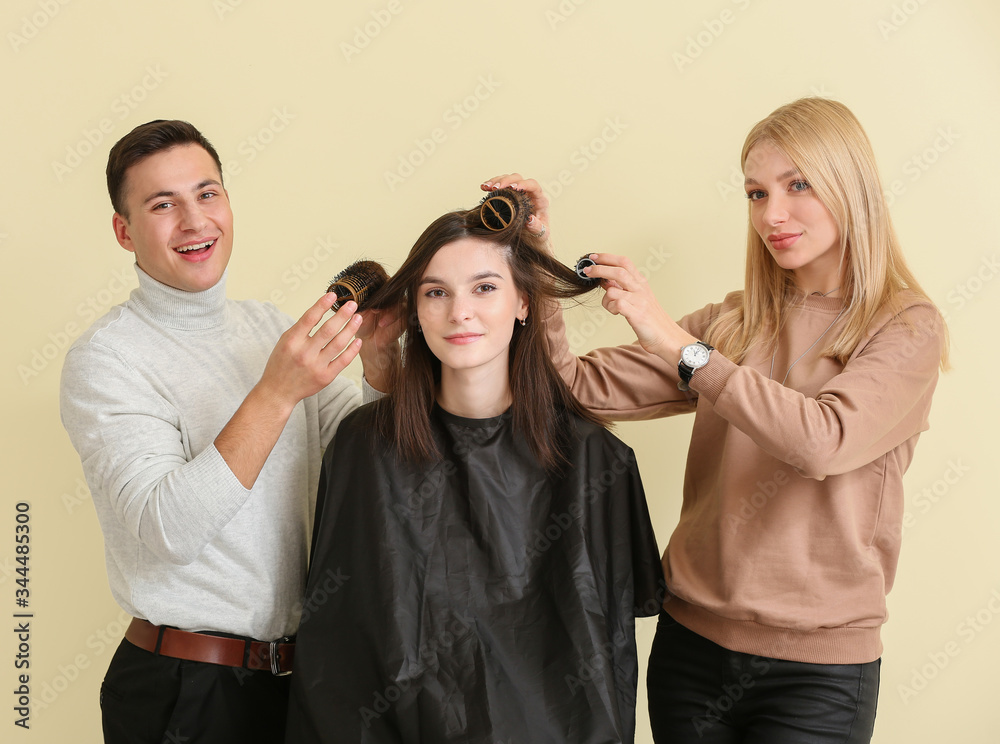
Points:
540	398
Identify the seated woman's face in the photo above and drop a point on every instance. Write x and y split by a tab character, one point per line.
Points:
467	305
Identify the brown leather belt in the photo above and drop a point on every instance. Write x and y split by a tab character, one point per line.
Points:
274	656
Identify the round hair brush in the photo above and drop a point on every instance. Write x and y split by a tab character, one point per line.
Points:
500	208
583	263
358	282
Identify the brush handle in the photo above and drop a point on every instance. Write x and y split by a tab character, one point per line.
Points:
583	263
499	209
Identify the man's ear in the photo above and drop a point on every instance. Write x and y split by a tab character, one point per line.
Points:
120	225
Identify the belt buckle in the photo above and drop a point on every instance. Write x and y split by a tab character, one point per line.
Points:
275	656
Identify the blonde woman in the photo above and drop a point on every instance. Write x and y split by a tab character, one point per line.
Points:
810	388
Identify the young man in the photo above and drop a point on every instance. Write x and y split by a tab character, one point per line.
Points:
201	423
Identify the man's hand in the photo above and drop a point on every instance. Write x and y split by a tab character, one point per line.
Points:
379	333
302	363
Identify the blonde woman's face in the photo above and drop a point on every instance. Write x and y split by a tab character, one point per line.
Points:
799	231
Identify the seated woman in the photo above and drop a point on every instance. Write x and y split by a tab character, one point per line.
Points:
482	543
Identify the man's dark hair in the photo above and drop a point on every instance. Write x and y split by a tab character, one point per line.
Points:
145	140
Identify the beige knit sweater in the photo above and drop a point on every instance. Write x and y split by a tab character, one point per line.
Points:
791	520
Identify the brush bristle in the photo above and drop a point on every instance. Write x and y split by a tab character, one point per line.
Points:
358	282
498	209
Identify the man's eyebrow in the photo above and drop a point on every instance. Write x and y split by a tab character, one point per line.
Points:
199	187
782	177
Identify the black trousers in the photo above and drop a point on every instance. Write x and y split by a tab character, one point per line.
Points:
150	699
702	692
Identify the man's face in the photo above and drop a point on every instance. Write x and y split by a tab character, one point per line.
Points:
180	224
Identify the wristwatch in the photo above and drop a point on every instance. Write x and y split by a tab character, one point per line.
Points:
693	356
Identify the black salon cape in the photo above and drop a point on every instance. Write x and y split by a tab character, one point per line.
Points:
477	600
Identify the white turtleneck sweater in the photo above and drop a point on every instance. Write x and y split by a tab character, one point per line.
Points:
145	391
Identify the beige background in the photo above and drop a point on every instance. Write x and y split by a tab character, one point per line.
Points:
347	127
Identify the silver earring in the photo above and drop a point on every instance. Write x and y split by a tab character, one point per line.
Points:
524	321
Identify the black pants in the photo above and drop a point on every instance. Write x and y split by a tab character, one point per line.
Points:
149	699
702	692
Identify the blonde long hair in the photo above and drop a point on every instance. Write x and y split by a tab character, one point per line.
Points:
825	141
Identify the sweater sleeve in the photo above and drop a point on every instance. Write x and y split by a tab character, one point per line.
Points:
133	451
624	383
878	401
337	400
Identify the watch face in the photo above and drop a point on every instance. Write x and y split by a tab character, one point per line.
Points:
694	355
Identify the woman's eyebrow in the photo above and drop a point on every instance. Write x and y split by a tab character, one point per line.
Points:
474	278
782	177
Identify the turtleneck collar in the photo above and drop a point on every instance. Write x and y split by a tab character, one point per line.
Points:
175	308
